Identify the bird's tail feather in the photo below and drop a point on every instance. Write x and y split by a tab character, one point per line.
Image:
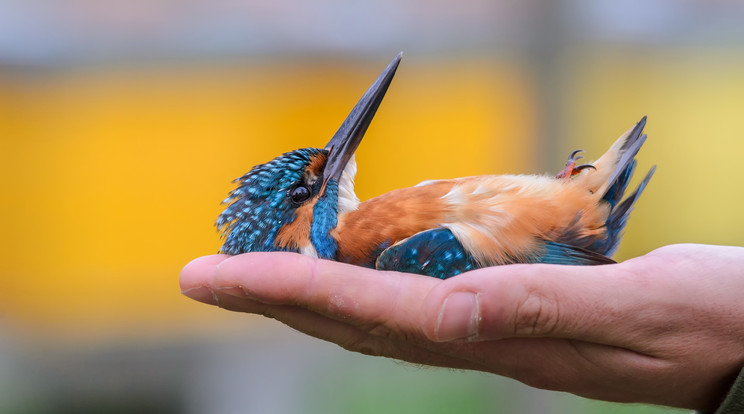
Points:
620	160
614	165
618	217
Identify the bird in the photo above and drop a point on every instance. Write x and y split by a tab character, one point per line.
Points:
303	201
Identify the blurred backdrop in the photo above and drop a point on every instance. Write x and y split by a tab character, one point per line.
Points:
123	123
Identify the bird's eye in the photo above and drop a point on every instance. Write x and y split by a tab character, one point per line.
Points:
300	194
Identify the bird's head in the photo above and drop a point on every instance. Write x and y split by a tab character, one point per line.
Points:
292	202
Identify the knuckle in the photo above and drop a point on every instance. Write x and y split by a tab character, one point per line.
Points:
387	321
380	329
362	343
312	269
386	329
380	341
536	314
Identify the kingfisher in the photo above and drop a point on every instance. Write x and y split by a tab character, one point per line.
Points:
304	201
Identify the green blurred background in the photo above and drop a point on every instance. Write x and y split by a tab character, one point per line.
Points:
123	122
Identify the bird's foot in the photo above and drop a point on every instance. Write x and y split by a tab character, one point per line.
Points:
571	168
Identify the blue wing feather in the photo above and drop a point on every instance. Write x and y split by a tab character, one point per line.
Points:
434	252
439	254
564	254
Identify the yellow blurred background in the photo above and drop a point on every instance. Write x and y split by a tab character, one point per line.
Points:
123	126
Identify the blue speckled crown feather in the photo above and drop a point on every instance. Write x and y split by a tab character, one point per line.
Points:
260	205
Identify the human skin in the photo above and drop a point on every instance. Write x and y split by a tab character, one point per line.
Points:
665	328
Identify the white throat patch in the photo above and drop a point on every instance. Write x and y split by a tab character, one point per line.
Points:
347	198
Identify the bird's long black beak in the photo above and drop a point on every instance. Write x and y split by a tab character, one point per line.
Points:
346	140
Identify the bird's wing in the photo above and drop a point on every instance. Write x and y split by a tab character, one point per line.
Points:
434	252
438	253
564	254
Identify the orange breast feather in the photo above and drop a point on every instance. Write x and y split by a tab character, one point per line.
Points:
389	218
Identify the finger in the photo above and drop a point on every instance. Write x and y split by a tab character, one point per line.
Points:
345	335
381	303
196	277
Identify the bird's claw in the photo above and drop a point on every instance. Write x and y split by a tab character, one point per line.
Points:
571	168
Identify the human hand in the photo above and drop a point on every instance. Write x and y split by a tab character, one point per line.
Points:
664	328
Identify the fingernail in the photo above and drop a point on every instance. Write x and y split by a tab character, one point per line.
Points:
201	294
458	317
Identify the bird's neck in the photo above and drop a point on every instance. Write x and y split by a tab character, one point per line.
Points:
325	219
